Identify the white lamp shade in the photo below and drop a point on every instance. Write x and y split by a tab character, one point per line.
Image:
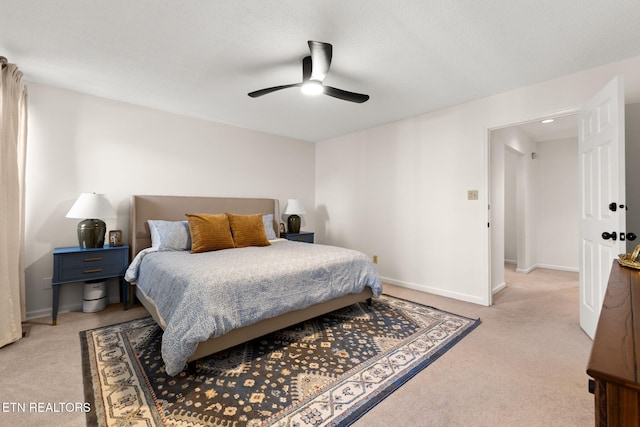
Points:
294	207
91	205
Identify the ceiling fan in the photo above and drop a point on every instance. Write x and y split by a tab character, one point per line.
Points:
314	69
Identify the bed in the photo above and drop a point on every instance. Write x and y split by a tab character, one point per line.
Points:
200	299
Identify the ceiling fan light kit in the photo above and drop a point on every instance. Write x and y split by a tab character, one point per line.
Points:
312	87
314	69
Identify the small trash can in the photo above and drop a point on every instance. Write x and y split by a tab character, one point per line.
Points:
94	296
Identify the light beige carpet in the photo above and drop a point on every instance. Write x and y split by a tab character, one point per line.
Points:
523	366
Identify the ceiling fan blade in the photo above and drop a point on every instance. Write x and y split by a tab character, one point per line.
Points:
321	54
261	92
306	68
345	95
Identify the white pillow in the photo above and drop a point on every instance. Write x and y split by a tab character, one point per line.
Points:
170	235
267	220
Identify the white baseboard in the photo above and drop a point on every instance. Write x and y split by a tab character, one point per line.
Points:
433	290
559	267
498	288
548	267
526	270
46	312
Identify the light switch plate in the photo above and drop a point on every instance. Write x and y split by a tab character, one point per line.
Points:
472	195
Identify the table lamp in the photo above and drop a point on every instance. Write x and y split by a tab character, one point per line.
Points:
91	231
294	208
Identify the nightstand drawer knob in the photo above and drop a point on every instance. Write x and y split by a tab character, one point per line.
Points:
98	258
95	270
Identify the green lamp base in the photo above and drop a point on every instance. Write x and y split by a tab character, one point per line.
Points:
91	233
294	223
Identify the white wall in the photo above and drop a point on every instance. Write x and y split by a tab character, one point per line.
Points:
400	190
510	206
79	143
558	205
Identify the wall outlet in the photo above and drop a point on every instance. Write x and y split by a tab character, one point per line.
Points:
472	195
46	283
375	259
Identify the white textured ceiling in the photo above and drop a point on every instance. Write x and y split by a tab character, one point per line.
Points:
201	57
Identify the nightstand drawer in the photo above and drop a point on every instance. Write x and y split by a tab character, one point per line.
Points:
88	265
82	259
303	236
89	271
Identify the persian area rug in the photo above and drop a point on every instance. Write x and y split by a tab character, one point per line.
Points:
326	371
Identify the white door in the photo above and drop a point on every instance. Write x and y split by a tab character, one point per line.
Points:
602	182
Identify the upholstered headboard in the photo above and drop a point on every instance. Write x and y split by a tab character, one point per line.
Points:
174	208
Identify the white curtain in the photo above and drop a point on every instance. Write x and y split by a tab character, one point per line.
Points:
13	140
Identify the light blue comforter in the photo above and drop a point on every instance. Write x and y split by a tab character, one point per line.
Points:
205	295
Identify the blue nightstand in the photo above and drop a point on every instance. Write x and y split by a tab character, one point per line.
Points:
75	264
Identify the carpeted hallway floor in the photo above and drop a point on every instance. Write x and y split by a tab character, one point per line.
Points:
523	366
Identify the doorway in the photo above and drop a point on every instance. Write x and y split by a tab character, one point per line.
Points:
534	197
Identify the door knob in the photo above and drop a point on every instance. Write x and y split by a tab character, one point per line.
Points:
613	206
631	236
612	236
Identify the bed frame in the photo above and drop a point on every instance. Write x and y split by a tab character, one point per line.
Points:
174	208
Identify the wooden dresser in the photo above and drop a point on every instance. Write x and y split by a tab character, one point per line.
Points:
614	364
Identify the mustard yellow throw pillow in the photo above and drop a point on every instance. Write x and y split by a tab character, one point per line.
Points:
248	230
209	232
